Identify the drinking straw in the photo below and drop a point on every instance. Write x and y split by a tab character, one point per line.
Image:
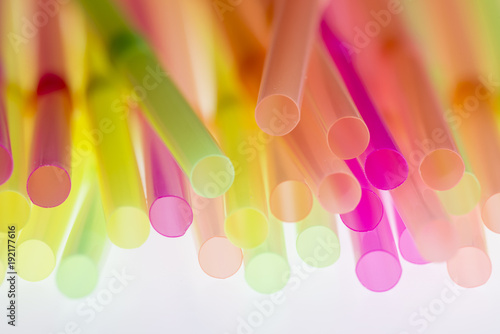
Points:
266	267
406	244
435	236
369	211
246	223
290	198
78	271
462	198
217	256
169	212
317	242
15	205
347	134
470	267
49	181
384	165
43	237
210	172
127	223
377	262
332	182
6	159
280	97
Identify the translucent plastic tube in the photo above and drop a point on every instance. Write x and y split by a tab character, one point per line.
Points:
169	212
209	171
127	222
435	236
369	211
332	182
78	271
377	261
15	205
385	166
6	159
290	198
279	105
266	267
217	256
470	267
406	244
317	242
347	134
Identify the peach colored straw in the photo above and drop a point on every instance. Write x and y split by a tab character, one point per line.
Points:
347	133
471	265
281	90
336	188
217	256
290	198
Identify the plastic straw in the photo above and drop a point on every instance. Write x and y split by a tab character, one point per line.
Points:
217	256
377	262
347	134
266	267
210	172
281	90
15	205
369	211
127	223
290	198
471	265
332	182
317	242
6	159
169	212
78	271
385	166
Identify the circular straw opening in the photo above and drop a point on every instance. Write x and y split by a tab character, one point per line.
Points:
35	261
6	164
378	271
277	115
171	216
491	213
386	169
15	209
409	250
339	193
367	215
267	273
442	169
49	186
291	201
318	246
462	198
77	276
437	241
212	176
219	258
246	228
128	227
470	267
348	137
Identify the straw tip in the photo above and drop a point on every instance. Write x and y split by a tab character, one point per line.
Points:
35	261
267	273
367	214
219	258
348	137
442	169
49	186
6	164
277	115
470	267
378	271
409	250
77	276
386	169
291	201
339	193
212	176
15	209
170	216
246	228
128	227
318	246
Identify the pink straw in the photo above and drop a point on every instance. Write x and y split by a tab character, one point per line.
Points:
385	166
6	162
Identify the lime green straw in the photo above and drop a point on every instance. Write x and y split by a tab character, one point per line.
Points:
266	267
211	173
317	241
77	274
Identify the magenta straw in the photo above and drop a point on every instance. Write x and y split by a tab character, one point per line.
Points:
377	262
6	162
169	212
370	210
407	246
385	166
